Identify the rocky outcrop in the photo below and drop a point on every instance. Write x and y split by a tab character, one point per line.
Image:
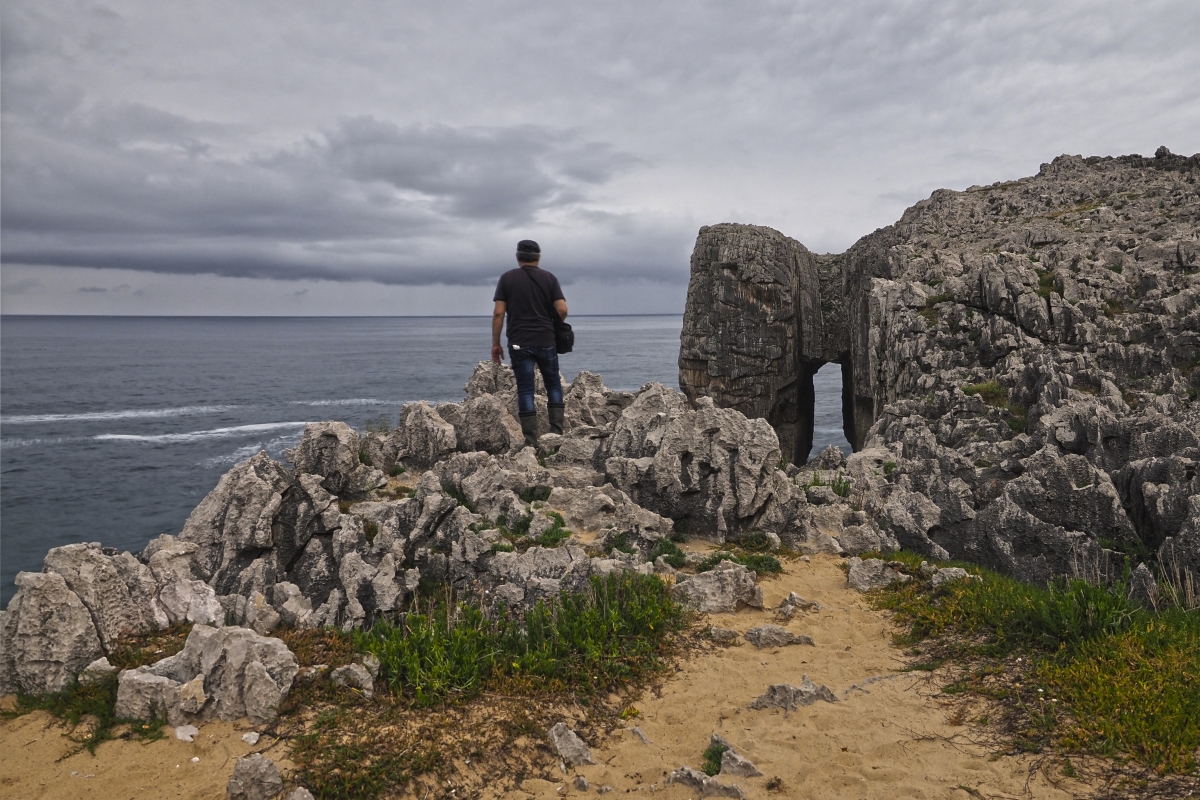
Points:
1019	363
221	673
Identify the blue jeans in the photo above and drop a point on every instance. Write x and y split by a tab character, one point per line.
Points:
523	363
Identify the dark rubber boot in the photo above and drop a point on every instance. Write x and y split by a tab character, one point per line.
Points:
529	428
557	417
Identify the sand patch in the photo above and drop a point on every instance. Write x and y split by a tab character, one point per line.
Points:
888	736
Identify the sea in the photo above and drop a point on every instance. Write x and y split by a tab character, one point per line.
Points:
112	429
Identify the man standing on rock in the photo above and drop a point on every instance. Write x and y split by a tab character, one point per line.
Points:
529	295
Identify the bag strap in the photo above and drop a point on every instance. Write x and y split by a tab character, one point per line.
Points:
554	318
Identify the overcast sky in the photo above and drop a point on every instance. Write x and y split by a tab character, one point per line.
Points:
384	157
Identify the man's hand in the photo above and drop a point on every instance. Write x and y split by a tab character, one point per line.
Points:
497	353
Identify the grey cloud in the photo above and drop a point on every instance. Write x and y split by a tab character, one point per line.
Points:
91	290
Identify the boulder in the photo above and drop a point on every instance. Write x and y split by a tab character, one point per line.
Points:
569	746
789	698
720	590
331	450
254	777
48	636
874	573
774	636
423	437
356	676
117	590
226	673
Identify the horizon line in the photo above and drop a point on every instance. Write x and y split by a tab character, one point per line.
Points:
312	316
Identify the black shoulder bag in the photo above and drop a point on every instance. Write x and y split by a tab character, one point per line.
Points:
564	337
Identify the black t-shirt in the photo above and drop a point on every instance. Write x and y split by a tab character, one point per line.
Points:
528	306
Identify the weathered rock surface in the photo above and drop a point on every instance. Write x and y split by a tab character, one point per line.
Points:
720	590
1019	363
48	636
569	746
254	777
788	697
221	673
874	573
774	636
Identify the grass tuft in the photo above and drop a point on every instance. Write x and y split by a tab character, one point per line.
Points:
761	563
587	642
1075	666
670	553
712	759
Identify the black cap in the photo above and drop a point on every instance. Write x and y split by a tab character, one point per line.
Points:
528	246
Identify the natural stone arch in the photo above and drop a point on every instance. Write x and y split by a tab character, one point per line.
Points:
763	315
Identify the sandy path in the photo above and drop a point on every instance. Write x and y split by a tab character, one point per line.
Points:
889	739
886	740
31	747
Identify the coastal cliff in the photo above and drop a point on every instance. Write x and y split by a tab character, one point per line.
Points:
1021	356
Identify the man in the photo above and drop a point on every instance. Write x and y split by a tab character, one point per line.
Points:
528	295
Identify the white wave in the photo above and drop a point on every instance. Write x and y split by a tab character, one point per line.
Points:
353	401
194	436
275	447
133	413
8	444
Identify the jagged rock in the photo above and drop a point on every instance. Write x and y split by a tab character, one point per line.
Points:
355	676
591	404
1143	588
720	590
774	636
874	573
788	697
96	671
723	636
300	793
569	746
423	437
733	763
331	450
191	601
117	590
708	787
982	340
170	559
949	574
254	777
488	426
221	673
47	638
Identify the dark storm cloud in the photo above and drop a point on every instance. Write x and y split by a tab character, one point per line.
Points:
414	144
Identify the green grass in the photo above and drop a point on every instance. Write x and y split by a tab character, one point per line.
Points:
370	530
712	759
1113	307
989	392
1075	666
620	542
557	534
889	467
536	494
670	551
611	633
458	497
95	704
761	563
397	471
841	485
365	459
1047	283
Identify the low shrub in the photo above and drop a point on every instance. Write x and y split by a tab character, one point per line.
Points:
536	494
670	553
1074	665
711	759
611	632
761	563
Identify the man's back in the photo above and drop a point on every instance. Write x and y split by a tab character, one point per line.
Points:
528	293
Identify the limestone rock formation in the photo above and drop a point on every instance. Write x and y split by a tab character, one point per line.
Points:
1019	361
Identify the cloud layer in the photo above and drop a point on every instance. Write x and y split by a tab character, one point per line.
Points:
412	146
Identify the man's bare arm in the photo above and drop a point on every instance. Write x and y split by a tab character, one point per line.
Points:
561	307
497	327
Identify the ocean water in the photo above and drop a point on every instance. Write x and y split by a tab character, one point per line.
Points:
112	429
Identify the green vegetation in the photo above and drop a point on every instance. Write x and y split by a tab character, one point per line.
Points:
930	312
380	424
370	529
1113	307
536	494
1074	666
397	471
841	485
91	708
620	542
758	562
610	633
1047	283
670	553
996	395
755	542
556	534
679	529
889	467
460	498
712	759
365	459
